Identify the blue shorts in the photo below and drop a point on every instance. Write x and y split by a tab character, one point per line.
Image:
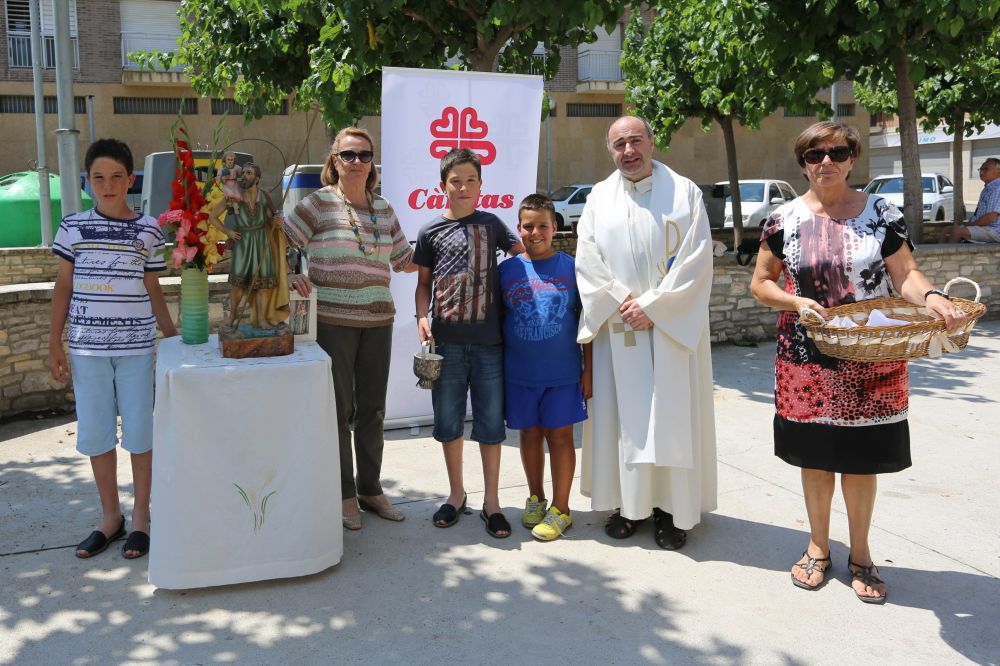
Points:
107	387
547	406
465	367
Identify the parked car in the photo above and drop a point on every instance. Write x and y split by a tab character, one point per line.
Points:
569	201
938	193
758	199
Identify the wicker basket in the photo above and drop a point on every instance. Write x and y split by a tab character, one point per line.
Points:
924	336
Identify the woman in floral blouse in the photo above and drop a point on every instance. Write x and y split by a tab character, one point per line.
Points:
835	245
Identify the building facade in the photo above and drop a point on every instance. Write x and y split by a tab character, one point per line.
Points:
135	106
140	106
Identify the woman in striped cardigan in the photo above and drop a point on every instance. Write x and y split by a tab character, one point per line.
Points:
353	239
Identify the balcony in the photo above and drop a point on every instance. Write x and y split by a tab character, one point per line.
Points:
19	51
133	73
599	71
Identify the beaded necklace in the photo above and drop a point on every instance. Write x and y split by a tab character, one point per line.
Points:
354	225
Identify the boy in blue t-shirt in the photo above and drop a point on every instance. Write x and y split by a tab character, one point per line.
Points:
546	378
108	289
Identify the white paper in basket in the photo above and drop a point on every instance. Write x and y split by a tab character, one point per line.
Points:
876	318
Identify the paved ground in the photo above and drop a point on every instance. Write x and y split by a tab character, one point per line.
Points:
410	593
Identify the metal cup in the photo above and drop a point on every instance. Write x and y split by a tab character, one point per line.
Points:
427	365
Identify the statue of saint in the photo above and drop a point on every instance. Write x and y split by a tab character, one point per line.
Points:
229	177
258	268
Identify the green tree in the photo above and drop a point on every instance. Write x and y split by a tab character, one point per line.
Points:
902	34
962	99
333	53
720	62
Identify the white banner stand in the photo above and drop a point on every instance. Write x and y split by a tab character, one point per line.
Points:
426	113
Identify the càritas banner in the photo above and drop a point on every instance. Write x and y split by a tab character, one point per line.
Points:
426	113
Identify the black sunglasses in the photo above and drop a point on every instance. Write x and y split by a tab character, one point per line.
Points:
836	154
365	156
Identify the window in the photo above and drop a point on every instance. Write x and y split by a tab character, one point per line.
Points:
787	191
845	110
895	185
749	192
593	110
26	104
169	106
774	193
19	34
798	114
233	108
581	196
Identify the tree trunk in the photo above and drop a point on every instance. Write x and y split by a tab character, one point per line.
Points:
957	168
913	195
726	122
484	59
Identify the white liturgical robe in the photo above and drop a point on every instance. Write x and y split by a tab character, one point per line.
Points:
650	439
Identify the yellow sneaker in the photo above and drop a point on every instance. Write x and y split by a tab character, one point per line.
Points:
552	526
534	511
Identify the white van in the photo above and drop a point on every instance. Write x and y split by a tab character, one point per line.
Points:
939	194
758	199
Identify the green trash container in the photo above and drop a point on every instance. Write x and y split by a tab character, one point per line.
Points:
19	211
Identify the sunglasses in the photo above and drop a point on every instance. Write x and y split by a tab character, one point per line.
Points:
365	156
837	154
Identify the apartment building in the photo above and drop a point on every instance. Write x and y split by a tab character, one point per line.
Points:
134	105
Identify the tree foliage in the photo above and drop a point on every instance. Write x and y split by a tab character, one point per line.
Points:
720	62
333	53
905	35
961	99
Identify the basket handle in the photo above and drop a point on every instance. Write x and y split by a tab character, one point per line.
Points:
424	348
962	279
809	311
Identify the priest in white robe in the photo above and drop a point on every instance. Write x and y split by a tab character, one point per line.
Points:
644	271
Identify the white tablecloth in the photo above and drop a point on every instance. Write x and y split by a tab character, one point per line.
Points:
246	471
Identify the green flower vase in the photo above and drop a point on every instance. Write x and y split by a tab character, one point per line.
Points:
194	306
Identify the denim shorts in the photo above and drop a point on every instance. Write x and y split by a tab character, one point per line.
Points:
465	367
546	406
107	387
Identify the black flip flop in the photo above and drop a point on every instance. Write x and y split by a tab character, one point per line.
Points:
96	543
619	527
136	541
666	535
495	524
810	566
869	576
448	515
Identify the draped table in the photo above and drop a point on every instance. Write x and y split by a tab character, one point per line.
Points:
246	470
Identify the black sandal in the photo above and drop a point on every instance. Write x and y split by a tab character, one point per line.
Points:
869	576
448	515
666	535
96	543
495	524
137	541
809	566
618	527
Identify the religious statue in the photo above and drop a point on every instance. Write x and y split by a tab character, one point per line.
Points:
258	268
229	178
